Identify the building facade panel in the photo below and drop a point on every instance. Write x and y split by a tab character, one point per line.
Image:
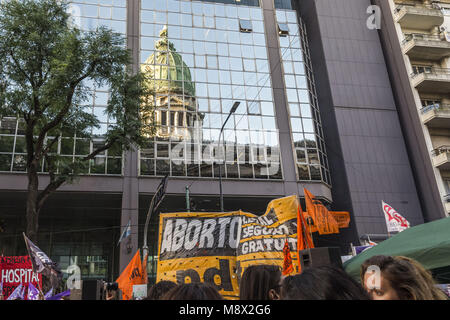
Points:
365	111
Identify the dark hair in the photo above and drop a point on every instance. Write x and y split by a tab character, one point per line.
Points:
160	288
406	276
258	280
193	291
322	283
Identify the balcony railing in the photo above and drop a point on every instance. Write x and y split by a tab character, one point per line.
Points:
440	150
425	37
416	9
419	17
421	46
437	107
447	198
433	71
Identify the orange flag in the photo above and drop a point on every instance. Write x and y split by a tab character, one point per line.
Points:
288	267
342	218
133	274
306	233
323	220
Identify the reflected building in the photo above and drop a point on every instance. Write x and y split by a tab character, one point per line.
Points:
173	91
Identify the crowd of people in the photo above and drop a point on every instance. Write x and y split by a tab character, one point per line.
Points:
400	278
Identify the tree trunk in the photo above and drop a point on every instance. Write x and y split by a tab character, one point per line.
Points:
32	215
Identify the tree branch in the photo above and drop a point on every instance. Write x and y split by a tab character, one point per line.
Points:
49	146
21	70
60	116
54	184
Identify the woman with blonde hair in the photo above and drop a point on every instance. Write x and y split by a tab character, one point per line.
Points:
400	278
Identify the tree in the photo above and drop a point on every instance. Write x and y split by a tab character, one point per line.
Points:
45	66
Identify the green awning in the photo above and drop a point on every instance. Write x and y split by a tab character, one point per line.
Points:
428	243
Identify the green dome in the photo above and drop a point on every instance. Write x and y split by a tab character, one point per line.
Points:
166	69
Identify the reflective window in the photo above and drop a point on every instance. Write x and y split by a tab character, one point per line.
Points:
220	66
245	25
283	29
86	15
301	96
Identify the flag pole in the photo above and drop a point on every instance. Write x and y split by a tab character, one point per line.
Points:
299	229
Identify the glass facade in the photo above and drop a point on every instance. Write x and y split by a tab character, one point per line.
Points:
200	58
87	15
306	128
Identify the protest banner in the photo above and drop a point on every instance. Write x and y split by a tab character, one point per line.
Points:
263	238
217	247
15	271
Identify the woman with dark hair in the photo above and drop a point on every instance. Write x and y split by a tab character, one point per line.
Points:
260	282
400	278
193	291
322	283
160	288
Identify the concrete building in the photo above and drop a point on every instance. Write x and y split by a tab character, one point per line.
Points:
423	30
318	110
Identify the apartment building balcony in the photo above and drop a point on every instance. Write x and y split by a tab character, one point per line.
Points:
426	47
419	17
436	116
441	157
432	80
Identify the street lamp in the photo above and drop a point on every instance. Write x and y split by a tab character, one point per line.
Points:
233	110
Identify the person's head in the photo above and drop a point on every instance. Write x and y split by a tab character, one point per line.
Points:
400	278
322	283
260	282
193	291
159	289
437	293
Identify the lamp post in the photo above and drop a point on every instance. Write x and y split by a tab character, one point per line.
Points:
233	110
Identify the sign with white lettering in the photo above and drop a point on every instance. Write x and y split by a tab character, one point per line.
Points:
15	271
217	247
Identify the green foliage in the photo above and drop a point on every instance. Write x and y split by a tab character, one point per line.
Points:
43	71
45	65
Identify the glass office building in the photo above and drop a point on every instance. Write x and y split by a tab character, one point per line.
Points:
200	58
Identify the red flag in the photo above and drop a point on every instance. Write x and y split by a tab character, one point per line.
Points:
287	263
